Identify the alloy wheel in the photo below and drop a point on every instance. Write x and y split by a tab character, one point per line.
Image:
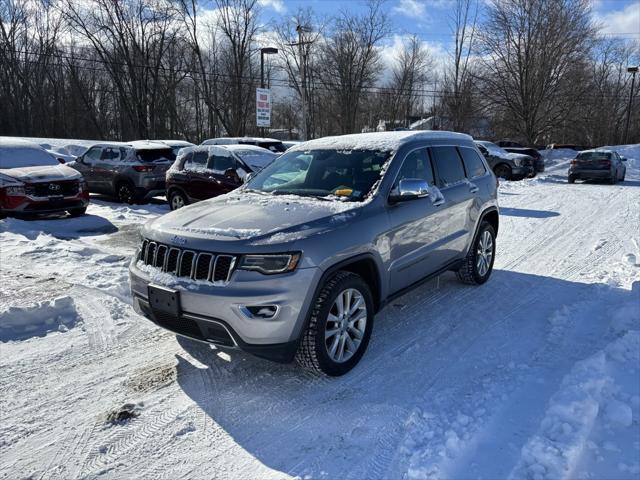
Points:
484	254
346	324
177	201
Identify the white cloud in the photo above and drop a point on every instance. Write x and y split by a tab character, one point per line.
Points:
390	52
277	5
410	8
626	20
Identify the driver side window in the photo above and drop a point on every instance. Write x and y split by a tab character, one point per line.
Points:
416	165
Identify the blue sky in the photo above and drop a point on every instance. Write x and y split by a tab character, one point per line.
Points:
429	18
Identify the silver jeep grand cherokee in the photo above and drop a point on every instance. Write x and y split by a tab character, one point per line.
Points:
295	264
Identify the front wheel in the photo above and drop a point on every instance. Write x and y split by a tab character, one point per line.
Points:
340	326
503	171
478	263
77	212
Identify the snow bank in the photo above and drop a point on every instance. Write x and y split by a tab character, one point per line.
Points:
19	323
632	152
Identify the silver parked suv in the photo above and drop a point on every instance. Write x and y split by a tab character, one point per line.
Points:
132	172
295	263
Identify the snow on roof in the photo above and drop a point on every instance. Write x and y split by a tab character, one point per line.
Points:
384	141
221	150
176	143
148	145
254	148
233	140
598	150
13	142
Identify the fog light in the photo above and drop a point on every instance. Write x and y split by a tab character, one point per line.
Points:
264	312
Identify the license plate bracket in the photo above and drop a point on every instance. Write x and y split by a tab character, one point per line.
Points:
164	299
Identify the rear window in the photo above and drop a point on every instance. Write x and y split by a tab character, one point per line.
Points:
594	156
19	156
273	146
449	165
472	162
155	155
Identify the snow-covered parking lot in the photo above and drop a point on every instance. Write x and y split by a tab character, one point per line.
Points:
536	374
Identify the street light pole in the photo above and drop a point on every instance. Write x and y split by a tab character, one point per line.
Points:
303	80
632	71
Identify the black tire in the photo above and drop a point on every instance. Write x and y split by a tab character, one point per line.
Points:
312	352
469	272
3	216
623	175
503	171
614	179
572	179
177	197
77	212
126	193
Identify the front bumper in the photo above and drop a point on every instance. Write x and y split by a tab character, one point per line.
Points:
26	205
214	314
522	172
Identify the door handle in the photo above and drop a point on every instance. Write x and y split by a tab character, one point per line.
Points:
438	201
473	188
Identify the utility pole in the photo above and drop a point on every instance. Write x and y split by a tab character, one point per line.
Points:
301	29
264	51
632	71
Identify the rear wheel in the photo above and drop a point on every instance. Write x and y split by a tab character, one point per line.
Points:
503	171
613	179
126	193
478	263
177	200
572	179
77	212
340	326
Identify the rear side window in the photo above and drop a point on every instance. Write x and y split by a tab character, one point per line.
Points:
94	153
221	163
196	161
417	165
111	154
472	162
448	165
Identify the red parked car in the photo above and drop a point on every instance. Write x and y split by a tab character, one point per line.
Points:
32	181
207	171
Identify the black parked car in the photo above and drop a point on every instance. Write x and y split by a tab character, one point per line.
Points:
598	165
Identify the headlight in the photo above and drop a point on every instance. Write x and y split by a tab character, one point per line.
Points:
517	162
15	191
84	187
270	264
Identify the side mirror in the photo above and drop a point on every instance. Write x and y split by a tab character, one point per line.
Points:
61	161
410	189
624	159
231	174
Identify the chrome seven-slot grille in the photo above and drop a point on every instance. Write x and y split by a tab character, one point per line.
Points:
187	263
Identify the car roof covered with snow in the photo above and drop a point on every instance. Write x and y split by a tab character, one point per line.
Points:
176	143
384	141
15	153
235	140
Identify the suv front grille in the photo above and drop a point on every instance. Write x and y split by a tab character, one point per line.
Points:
188	263
67	188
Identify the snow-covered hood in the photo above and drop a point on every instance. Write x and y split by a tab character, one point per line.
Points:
46	173
250	218
518	156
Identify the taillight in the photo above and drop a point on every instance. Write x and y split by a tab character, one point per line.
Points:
143	168
574	162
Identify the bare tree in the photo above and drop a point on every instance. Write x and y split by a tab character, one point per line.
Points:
411	71
238	28
351	61
533	62
458	100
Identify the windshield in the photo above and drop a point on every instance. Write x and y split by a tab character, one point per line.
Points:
155	154
19	156
493	148
350	174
